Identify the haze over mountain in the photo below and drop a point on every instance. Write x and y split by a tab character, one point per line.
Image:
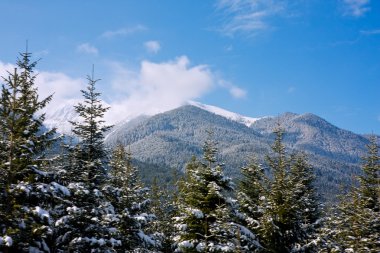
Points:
167	141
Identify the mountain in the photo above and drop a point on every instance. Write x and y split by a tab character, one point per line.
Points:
170	139
60	116
248	121
167	141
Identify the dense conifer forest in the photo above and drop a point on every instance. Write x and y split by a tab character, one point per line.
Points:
84	197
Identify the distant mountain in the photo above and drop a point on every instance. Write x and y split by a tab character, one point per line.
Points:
169	140
248	121
315	135
60	116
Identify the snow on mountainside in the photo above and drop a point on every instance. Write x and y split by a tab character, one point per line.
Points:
248	121
60	116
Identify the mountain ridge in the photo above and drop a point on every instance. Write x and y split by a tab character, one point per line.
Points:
170	139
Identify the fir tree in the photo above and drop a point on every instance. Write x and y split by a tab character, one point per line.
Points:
27	188
290	207
206	220
253	189
370	180
91	132
131	202
305	198
87	219
355	225
164	197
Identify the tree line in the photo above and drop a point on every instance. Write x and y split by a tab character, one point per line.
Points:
83	198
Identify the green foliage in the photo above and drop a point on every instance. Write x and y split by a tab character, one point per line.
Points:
131	201
253	188
355	225
282	211
27	190
206	220
79	201
86	219
91	131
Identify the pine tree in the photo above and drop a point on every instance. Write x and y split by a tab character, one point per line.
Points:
163	196
355	225
308	207
206	220
370	181
27	188
253	189
87	219
91	132
290	207
131	202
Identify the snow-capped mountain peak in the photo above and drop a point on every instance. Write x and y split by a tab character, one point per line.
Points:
248	121
61	115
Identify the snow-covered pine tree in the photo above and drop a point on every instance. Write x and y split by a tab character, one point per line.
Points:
279	221
86	222
355	225
131	201
163	196
252	191
370	180
290	207
302	178
27	188
91	131
206	215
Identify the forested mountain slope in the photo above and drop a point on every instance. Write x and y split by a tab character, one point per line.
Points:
170	139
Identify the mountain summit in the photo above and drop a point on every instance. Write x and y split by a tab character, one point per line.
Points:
168	141
171	138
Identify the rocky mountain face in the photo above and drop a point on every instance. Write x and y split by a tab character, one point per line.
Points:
170	139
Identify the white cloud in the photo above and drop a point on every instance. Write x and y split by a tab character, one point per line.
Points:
157	87
152	46
370	32
5	68
87	49
235	91
124	31
62	86
248	16
355	8
150	89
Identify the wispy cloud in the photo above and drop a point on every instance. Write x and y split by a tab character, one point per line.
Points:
356	8
124	31
41	53
157	87
61	85
235	91
248	16
87	49
291	89
370	32
152	46
152	88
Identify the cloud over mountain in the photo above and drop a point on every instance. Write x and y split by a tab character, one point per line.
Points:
157	87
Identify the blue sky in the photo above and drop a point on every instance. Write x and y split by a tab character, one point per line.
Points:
253	57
